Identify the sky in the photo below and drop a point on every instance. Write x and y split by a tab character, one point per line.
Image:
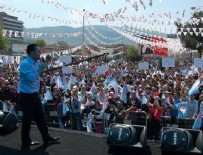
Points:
42	8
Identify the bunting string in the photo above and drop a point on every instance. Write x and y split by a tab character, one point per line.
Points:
11	33
37	16
102	36
98	40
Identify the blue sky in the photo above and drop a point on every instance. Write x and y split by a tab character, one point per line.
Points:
95	6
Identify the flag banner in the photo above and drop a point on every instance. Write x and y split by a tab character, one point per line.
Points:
59	82
168	62
198	121
182	107
67	69
89	122
198	63
93	88
143	66
124	94
102	69
65	58
195	88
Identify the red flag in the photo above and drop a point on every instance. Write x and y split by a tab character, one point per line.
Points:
94	68
107	73
163	51
156	93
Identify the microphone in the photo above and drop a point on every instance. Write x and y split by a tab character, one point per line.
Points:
43	60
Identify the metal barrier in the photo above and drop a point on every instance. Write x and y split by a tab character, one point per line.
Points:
165	121
185	123
181	123
51	115
105	120
133	118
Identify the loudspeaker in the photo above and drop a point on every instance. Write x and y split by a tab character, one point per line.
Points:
182	141
127	136
8	121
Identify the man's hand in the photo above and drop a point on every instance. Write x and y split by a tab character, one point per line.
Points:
42	66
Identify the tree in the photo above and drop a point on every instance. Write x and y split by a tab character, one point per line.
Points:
63	44
4	41
192	41
40	42
133	54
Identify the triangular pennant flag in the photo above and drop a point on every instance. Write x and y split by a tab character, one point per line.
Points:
4	32
124	94
65	106
82	83
48	96
184	12
142	3
93	88
89	122
198	121
185	33
59	82
197	33
115	86
150	2
195	88
182	107
107	80
73	79
194	29
105	1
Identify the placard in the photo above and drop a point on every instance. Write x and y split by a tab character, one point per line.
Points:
8	60
19	49
143	65
102	69
168	62
67	70
198	63
65	58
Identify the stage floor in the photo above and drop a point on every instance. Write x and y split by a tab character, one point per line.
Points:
71	143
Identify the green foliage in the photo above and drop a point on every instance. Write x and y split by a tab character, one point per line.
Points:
63	44
77	52
192	41
40	42
133	54
4	42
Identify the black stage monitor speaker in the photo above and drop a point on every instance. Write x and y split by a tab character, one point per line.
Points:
182	141
127	136
8	121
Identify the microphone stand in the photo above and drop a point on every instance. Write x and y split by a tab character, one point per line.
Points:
75	63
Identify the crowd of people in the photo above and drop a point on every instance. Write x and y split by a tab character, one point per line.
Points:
159	92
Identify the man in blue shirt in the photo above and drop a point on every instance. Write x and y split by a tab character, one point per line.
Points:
29	85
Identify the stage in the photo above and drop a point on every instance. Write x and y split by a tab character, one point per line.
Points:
71	143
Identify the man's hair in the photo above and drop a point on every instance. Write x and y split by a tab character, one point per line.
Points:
30	48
